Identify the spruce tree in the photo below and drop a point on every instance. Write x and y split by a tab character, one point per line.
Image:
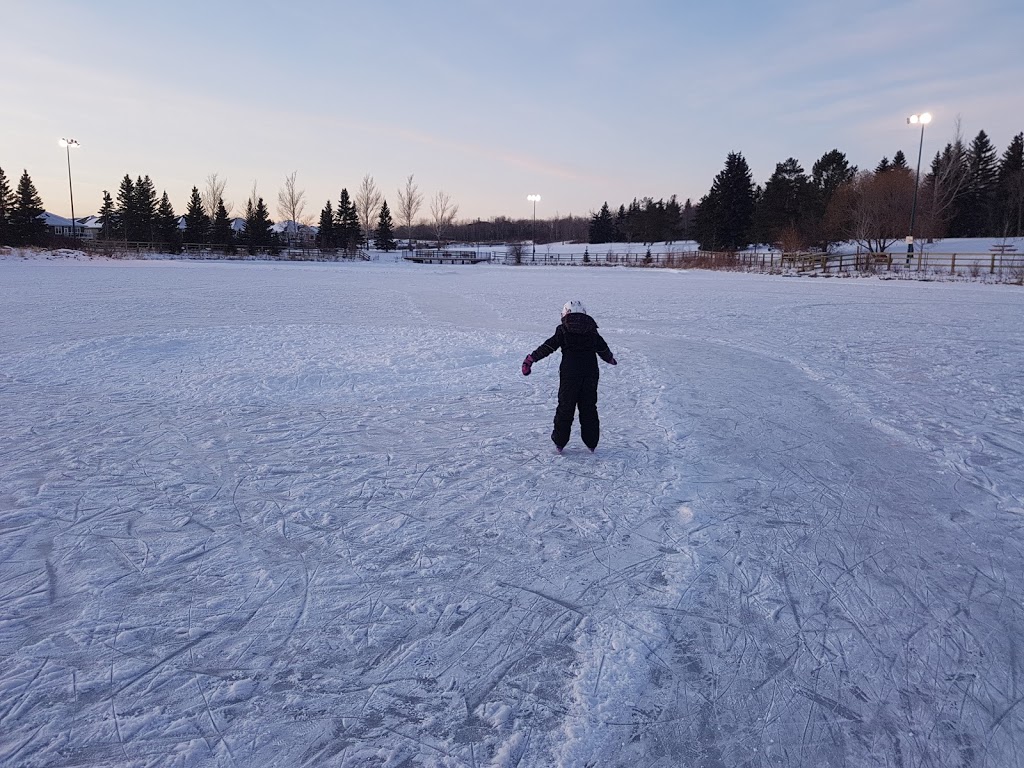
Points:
787	208
221	233
899	162
385	235
347	229
144	225
258	234
6	206
325	237
167	225
883	166
688	215
978	211
602	226
621	225
26	226
197	223
124	212
673	220
107	217
724	218
943	190
1010	190
830	172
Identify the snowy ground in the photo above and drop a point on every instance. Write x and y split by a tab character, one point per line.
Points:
289	515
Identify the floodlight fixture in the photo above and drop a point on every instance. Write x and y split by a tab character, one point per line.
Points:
534	199
68	144
922	119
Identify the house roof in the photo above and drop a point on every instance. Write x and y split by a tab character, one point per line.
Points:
53	220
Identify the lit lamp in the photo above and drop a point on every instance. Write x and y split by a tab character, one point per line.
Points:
534	199
923	119
68	144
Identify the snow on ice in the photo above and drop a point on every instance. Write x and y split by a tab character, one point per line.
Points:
304	515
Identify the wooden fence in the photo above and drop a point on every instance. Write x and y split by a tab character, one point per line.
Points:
1003	265
222	252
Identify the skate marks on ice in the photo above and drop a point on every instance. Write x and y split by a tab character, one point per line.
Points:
221	558
239	546
852	602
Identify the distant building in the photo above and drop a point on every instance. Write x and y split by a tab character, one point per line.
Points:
291	233
86	228
57	225
90	227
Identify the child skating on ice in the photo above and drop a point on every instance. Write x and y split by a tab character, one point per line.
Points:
581	345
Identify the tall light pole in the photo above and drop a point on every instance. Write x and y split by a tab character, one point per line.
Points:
534	199
923	119
68	144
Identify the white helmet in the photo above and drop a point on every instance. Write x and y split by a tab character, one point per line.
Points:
573	306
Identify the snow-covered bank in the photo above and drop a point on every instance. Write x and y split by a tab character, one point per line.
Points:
308	514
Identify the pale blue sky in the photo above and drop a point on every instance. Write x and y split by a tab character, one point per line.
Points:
580	102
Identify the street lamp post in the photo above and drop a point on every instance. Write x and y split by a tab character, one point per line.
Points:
68	144
923	119
534	199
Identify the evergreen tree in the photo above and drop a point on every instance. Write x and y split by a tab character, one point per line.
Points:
688	215
6	206
144	211
326	237
385	235
245	237
602	226
258	233
830	172
347	230
899	162
197	223
673	220
883	166
167	225
977	212
943	189
621	225
221	233
124	212
26	226
725	214
107	217
1010	191
787	210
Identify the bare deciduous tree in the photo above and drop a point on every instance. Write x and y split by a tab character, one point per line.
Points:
291	205
367	200
213	193
443	212
945	185
409	201
874	208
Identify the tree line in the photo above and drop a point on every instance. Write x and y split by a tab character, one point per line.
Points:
969	190
138	215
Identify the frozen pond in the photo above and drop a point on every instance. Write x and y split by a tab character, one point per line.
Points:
287	515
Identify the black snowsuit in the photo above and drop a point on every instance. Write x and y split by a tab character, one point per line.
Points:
580	343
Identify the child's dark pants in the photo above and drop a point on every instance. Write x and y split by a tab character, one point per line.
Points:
577	392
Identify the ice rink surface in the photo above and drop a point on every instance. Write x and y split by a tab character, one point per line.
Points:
310	515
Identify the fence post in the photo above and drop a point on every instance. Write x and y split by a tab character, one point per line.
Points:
992	269
952	264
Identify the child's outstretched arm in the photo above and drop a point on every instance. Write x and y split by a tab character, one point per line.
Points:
540	353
